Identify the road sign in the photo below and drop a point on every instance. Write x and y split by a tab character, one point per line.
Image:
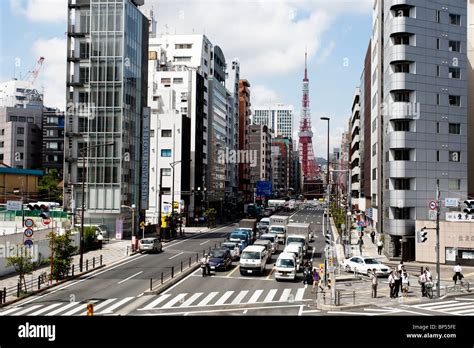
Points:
28	243
29	223
47	221
321	267
451	202
28	233
142	224
432	214
264	188
433	205
14	205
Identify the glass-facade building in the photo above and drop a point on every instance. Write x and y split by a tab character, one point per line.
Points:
107	95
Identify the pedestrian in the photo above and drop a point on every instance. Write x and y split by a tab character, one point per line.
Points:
400	266
398	283
429	277
405	283
458	274
391	284
379	247
100	238
372	235
361	243
422	281
316	280
373	278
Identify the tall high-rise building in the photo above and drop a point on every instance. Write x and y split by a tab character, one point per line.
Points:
278	117
245	190
470	92
419	113
354	160
53	140
107	50
260	142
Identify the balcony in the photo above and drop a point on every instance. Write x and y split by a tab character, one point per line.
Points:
402	140
72	57
402	52
355	171
401	169
400	25
355	155
355	125
355	139
355	186
401	198
399	227
78	3
401	110
77	32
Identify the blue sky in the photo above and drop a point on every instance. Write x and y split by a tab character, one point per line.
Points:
269	38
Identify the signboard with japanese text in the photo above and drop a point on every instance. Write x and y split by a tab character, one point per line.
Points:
451	202
459	217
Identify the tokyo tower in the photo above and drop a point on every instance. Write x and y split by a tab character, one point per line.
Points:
308	162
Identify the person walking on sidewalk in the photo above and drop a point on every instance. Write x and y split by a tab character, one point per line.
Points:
391	284
405	283
379	247
316	280
372	236
422	281
398	283
361	243
458	274
374	280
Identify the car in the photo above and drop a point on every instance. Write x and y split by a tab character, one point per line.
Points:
234	249
297	250
273	238
253	259
263	225
267	244
240	237
150	244
267	213
220	259
249	231
364	264
285	267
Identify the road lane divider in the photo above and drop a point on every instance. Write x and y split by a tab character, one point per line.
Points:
232	272
172	257
207	241
271	272
124	280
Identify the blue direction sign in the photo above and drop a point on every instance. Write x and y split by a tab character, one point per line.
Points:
28	243
28	233
264	188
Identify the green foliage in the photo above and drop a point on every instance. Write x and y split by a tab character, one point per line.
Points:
63	252
22	262
89	238
338	214
211	214
48	186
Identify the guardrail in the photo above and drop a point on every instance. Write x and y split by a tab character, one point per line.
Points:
44	281
340	294
457	288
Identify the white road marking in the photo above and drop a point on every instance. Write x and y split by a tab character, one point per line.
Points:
245	312
11	310
174	301
299	294
300	310
45	309
447	307
190	300
26	310
101	305
116	305
172	257
271	294
464	299
226	310
285	295
471	309
155	302
59	310
207	241
255	296
80	307
208	298
224	298
240	297
124	280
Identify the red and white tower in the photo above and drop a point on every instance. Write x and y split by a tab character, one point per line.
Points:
308	162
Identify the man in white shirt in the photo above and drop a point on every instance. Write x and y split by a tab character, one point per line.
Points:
457	274
374	280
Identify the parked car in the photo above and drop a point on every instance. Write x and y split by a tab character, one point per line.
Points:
150	244
285	267
273	238
234	249
253	259
364	264
220	259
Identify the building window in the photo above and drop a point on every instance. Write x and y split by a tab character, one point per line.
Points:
454	156
455	46
183	46
374	149
152	133
387	156
401	40
178	80
402	184
437	98
438	44
454	100
402	67
166	133
454	19
437	70
454	128
438	16
455	73
52	145
166	171
166	153
374	125
402	12
20	143
374	174
454	184
401	126
401	213
165	80
437	127
20	130
437	156
182	59
401	155
401	97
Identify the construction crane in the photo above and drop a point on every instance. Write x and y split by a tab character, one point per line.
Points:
33	74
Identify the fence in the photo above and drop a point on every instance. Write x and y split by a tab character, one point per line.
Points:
463	287
348	297
44	280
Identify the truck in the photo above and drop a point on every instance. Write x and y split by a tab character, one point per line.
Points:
279	220
278	226
253	210
248	223
278	204
299	232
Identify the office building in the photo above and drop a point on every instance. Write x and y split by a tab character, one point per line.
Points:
260	142
245	189
53	140
278	117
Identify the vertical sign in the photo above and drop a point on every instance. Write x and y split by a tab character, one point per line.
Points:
118	229
145	157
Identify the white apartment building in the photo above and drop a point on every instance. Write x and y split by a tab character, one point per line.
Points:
279	117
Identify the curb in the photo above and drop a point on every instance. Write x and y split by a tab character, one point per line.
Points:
61	282
162	287
329	307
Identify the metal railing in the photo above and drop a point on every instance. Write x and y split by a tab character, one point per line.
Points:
43	280
326	298
463	287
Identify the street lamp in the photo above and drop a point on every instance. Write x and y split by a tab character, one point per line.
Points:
82	155
173	164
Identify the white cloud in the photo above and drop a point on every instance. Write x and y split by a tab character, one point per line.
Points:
262	95
325	53
41	10
52	76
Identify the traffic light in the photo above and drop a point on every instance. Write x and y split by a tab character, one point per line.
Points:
328	238
422	236
43	208
470	207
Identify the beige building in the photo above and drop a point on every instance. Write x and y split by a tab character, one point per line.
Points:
470	92
456	243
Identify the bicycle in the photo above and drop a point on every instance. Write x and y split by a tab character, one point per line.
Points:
429	289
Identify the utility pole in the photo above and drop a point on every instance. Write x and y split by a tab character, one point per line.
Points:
438	208
160	198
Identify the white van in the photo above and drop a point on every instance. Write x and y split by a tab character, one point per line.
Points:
253	259
285	267
296	238
297	250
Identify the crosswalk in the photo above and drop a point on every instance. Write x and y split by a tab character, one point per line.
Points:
368	312
224	298
101	307
453	307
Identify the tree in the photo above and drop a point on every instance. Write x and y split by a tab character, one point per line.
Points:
48	186
210	214
22	262
62	257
